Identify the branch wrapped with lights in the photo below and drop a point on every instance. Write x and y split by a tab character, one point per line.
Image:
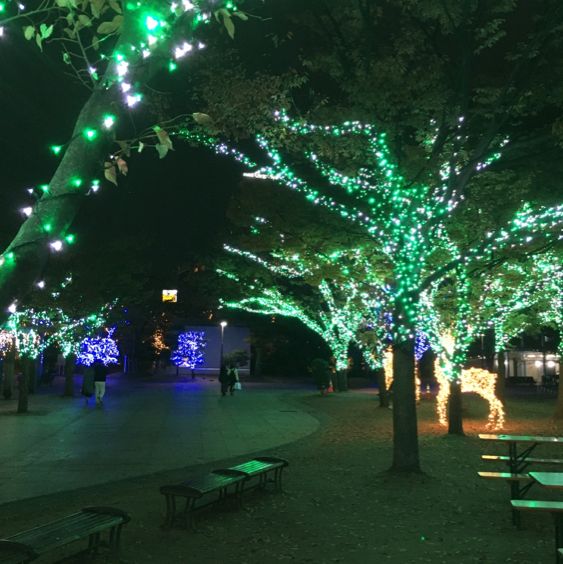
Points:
405	219
107	45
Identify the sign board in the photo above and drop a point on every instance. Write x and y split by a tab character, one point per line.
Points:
170	296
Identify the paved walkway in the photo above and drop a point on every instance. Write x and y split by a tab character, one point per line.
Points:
142	428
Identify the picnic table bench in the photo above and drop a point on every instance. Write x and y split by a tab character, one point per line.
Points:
218	482
555	508
91	522
517	461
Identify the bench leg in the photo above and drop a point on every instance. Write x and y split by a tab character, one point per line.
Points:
170	510
515	494
189	514
558	521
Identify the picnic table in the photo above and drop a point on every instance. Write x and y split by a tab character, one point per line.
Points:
518	461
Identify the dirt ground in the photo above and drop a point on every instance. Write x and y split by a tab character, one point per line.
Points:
339	502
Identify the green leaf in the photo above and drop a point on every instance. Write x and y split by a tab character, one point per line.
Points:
97	6
162	150
110	27
46	30
115	6
28	32
202	119
85	20
39	41
110	172
229	26
241	15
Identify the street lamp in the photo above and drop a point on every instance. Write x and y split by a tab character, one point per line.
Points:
223	324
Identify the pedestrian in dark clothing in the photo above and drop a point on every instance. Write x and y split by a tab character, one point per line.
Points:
100	373
228	378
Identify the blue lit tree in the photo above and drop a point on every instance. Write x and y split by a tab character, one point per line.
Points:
103	349
189	350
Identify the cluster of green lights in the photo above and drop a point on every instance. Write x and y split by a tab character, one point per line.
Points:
342	306
406	220
32	331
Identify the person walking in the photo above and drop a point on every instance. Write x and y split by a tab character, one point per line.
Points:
228	378
234	383
100	373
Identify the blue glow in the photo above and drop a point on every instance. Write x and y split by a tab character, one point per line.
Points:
98	348
189	350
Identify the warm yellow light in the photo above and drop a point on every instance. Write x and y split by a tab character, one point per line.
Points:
473	380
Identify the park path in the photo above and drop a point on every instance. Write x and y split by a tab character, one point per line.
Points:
143	427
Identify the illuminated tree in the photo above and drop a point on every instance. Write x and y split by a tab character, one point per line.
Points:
114	48
189	350
29	332
101	349
464	305
334	294
407	221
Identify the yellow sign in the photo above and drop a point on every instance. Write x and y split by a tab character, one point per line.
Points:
170	296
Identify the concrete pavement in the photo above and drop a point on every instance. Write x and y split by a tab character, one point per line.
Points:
143	427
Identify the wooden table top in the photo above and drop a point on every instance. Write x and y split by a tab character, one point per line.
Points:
521	438
552	480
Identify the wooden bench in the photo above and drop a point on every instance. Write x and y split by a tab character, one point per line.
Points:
528	461
194	489
261	467
555	508
91	522
516	490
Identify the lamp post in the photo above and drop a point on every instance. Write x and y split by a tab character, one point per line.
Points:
223	324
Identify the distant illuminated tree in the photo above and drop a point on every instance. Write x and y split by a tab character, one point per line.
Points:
189	350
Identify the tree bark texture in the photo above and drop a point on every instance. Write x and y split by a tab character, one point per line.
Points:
69	375
28	369
405	433
455	415
383	394
500	387
559	406
9	377
83	159
342	380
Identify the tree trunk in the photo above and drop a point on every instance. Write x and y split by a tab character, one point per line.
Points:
342	380
28	368
258	361
559	406
405	434
69	375
8	380
82	162
500	388
383	395
455	416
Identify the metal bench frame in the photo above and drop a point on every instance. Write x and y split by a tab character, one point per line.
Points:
23	543
193	490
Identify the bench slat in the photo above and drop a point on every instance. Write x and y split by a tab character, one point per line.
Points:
90	520
204	485
505	476
48	540
501	458
534	505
